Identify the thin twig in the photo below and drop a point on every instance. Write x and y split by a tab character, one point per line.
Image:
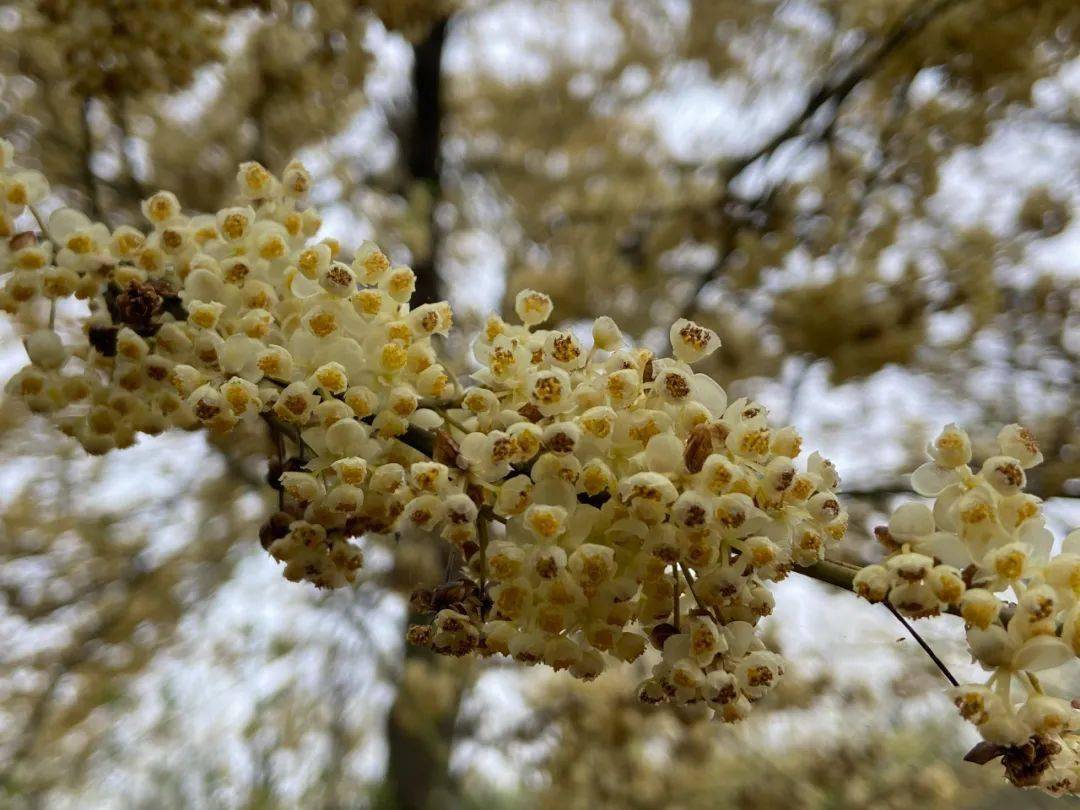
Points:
89	178
127	161
675	596
451	563
40	222
690	587
482	534
926	647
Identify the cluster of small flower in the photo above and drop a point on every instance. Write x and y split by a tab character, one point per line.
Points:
635	505
598	498
984	539
115	49
220	320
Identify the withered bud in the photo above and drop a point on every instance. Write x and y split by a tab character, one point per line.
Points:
419	635
171	302
446	450
135	306
420	601
453	593
103	339
1024	764
661	633
530	412
274	528
698	447
985	752
23	239
885	538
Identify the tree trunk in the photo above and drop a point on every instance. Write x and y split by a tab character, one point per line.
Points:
418	766
418	761
424	149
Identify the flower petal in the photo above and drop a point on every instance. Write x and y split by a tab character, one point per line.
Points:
946	547
911	520
944	514
1039	538
930	479
991	647
709	393
1041	652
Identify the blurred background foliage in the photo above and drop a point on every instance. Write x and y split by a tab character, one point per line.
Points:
871	201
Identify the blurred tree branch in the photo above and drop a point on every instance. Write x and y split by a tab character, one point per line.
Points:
75	653
831	92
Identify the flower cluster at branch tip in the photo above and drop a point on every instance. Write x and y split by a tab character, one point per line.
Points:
224	320
983	551
637	507
598	499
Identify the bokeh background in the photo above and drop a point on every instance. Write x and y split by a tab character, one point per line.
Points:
872	201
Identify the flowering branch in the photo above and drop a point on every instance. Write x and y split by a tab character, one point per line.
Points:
576	487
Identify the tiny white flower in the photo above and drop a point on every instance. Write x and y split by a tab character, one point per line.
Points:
691	342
